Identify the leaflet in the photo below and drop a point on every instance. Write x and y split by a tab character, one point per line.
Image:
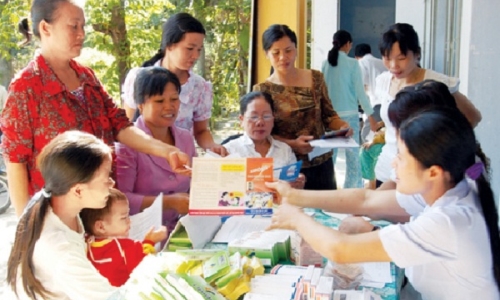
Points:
231	186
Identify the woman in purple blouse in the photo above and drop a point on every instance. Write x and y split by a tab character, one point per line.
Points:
141	176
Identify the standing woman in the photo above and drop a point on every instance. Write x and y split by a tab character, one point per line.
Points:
345	88
181	45
400	51
53	94
303	111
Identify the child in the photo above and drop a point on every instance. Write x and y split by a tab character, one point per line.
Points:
110	250
368	157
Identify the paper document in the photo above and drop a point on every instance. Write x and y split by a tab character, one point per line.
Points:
237	226
150	217
200	229
231	186
338	142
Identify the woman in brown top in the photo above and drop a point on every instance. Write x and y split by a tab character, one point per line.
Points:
303	111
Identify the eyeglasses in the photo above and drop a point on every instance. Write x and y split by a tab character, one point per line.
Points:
255	118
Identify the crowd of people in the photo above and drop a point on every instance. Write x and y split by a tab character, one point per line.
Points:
66	143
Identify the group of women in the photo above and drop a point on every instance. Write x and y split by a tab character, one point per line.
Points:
447	219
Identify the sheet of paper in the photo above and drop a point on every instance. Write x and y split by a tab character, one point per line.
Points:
200	229
340	142
377	272
317	151
150	217
237	226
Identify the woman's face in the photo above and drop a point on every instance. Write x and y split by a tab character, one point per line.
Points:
184	54
96	191
160	111
282	54
410	175
399	64
65	35
258	120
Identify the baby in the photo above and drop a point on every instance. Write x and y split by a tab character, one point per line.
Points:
110	250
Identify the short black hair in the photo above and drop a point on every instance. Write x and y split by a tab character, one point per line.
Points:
362	50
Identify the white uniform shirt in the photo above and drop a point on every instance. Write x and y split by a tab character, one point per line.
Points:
61	264
371	67
383	169
281	153
445	247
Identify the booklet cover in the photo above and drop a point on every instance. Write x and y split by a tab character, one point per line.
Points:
231	186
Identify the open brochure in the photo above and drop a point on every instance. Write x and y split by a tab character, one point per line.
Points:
231	186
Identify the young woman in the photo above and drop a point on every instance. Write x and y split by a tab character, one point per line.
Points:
54	94
345	89
181	45
401	53
450	248
257	120
143	177
48	259
303	111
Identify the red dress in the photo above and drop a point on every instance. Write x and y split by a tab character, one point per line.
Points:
39	107
116	258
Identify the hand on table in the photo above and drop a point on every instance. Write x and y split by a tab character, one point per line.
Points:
285	217
354	224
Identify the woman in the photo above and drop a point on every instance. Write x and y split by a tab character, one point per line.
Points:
181	45
141	176
257	118
54	94
400	51
303	111
450	248
48	258
346	90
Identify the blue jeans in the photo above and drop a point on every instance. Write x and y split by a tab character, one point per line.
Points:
353	166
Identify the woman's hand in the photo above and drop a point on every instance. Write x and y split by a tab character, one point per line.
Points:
299	182
283	189
157	235
177	201
219	149
350	132
178	161
353	224
301	144
285	217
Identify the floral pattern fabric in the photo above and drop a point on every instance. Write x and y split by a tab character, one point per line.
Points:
39	107
302	111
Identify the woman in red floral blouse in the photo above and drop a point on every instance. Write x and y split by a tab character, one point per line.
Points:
53	94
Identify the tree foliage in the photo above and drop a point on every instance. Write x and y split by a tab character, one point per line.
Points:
123	34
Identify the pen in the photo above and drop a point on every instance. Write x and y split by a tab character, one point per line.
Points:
187	167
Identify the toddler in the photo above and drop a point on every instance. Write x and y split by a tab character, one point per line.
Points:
109	249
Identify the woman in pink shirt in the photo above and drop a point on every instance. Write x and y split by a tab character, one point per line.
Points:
141	176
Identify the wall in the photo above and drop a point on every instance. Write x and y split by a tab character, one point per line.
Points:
323	24
479	65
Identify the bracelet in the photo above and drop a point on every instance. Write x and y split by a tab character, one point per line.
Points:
375	228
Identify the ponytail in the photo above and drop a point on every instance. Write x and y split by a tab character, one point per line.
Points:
150	62
490	214
333	55
28	232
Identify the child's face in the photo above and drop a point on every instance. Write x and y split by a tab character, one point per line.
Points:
117	222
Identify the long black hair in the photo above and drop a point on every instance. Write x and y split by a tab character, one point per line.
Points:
340	38
444	137
173	32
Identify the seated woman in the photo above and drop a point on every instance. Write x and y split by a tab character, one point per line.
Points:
257	120
450	247
142	176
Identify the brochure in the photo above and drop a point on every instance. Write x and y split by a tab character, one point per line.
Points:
231	186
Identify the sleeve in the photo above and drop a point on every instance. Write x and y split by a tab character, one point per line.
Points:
328	115
365	74
128	88
82	280
290	156
16	124
359	90
203	103
134	253
453	83
430	238
126	175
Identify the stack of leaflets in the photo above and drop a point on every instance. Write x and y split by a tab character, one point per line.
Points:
269	246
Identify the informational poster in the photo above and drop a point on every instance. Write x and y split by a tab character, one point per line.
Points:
231	186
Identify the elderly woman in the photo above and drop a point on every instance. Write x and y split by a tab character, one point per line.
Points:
257	119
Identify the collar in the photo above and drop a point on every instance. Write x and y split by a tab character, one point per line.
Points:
462	190
50	79
249	142
54	221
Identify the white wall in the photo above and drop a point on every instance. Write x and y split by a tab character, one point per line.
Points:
323	25
479	66
413	13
